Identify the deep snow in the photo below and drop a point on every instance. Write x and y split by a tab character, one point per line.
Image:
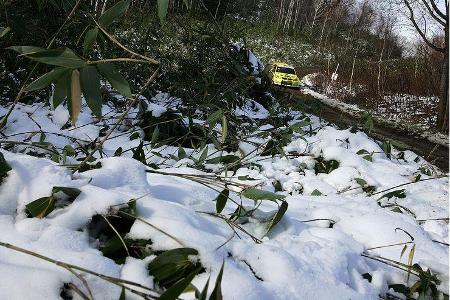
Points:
296	260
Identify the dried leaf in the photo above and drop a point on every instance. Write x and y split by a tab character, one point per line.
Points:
75	96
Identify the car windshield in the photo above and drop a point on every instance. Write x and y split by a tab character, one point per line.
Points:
286	70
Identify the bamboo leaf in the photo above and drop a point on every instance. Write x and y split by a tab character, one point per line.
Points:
221	200
216	294
178	287
203	155
90	83
89	39
279	215
181	153
257	194
62	88
24	50
172	265
403	250
4	167
69	191
45	80
4	31
316	192
58	57
203	294
155	135
41	207
75	96
117	81
122	294
113	13
226	159
213	118
163	6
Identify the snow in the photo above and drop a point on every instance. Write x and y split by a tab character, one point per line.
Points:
316	259
393	111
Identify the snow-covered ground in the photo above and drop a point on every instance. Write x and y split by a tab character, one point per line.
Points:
326	245
414	113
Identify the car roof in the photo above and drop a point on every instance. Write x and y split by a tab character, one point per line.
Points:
281	64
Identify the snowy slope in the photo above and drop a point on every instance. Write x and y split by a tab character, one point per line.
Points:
317	251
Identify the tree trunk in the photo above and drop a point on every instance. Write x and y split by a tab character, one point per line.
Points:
442	119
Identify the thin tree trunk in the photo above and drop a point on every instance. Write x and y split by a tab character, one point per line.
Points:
351	76
379	66
442	120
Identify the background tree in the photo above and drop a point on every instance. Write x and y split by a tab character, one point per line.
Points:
419	13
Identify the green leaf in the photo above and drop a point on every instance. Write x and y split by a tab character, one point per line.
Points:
396	193
316	193
139	154
113	13
117	81
113	247
368	122
213	118
46	79
178	287
163	6
41	207
257	194
4	31
362	151
397	210
58	57
24	50
62	88
368	158
89	39
361	182
203	155
203	294
155	135
367	276
246	178
221	200
181	153
4	167
326	166
172	265
279	215
118	151
122	294
90	84
69	150
298	127
216	294
226	159
69	191
387	148
134	136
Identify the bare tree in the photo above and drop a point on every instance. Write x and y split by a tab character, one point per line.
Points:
429	10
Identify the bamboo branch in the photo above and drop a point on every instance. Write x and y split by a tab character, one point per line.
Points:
132	103
22	89
117	281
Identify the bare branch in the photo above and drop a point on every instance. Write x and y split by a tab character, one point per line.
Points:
438	11
421	33
432	14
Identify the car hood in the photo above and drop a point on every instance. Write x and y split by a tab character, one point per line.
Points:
287	76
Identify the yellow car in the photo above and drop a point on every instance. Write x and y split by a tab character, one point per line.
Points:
283	75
